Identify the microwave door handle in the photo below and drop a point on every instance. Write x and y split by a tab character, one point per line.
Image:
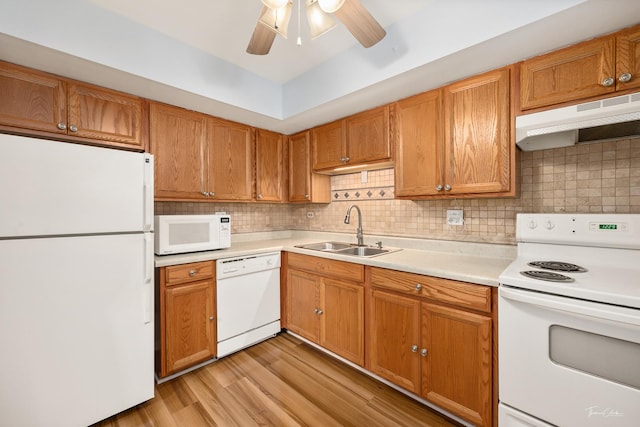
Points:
616	314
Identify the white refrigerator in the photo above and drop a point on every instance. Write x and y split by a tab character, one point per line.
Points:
76	282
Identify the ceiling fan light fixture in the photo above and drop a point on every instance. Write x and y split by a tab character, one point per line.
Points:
319	22
277	20
274	4
330	6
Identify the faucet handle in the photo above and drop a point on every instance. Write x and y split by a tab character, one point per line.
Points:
379	243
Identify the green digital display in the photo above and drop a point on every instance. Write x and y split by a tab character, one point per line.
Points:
608	226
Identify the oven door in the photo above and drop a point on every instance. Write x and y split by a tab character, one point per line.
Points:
568	362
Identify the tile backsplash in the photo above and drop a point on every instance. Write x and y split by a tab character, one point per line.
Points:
600	177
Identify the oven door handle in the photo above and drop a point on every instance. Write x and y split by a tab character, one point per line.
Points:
591	309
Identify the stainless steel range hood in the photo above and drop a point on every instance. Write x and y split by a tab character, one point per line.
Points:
606	119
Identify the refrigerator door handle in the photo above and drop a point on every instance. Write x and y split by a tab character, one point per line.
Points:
147	285
147	191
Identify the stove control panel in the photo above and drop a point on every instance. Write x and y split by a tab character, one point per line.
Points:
608	227
605	230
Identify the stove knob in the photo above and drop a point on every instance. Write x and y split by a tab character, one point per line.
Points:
549	225
532	224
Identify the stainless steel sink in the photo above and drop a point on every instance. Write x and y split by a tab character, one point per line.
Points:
341	248
326	246
364	251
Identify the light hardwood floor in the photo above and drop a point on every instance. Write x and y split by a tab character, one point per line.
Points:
280	382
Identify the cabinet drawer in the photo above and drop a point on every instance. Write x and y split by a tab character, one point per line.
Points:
189	272
467	295
327	267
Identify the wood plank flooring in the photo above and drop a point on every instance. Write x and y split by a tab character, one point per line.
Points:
280	382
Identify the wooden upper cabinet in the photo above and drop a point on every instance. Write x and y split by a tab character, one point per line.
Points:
32	100
99	113
230	160
478	148
270	166
417	123
357	140
456	141
575	72
329	145
304	185
367	136
589	69
628	59
41	102
179	149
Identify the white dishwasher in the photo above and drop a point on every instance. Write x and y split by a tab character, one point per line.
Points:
248	300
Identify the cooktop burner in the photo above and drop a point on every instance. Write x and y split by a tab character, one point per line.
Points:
547	275
558	266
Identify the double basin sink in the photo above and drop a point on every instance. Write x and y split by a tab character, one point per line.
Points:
340	248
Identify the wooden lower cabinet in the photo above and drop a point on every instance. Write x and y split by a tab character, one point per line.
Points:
456	370
439	352
324	309
187	310
394	338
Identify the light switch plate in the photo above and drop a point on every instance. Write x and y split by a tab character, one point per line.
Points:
455	217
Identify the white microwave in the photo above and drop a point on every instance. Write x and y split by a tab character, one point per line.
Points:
176	234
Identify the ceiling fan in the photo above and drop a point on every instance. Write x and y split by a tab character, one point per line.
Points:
275	14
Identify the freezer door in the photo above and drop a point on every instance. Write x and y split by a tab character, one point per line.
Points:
58	188
76	328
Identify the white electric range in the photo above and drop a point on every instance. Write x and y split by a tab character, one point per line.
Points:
569	322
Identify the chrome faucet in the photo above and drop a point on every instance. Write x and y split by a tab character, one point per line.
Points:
347	218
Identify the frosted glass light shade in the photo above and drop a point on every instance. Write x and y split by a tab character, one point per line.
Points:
277	19
275	4
319	22
330	6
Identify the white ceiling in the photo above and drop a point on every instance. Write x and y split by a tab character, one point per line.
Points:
223	29
192	52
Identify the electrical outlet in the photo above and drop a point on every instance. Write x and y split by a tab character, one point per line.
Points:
455	217
310	214
364	177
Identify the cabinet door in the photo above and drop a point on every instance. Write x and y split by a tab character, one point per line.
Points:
368	136
418	134
100	113
177	143
477	137
456	371
32	100
190	324
299	168
270	166
394	328
303	296
342	319
230	160
628	58
568	74
329	145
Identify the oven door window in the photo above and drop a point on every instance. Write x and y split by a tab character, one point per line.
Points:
606	357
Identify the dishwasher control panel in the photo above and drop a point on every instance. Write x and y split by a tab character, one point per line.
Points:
230	267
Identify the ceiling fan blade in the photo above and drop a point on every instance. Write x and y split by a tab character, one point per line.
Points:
261	39
360	23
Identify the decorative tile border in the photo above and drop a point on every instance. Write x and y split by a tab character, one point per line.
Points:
362	194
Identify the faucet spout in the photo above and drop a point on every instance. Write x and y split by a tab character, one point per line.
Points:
359	233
